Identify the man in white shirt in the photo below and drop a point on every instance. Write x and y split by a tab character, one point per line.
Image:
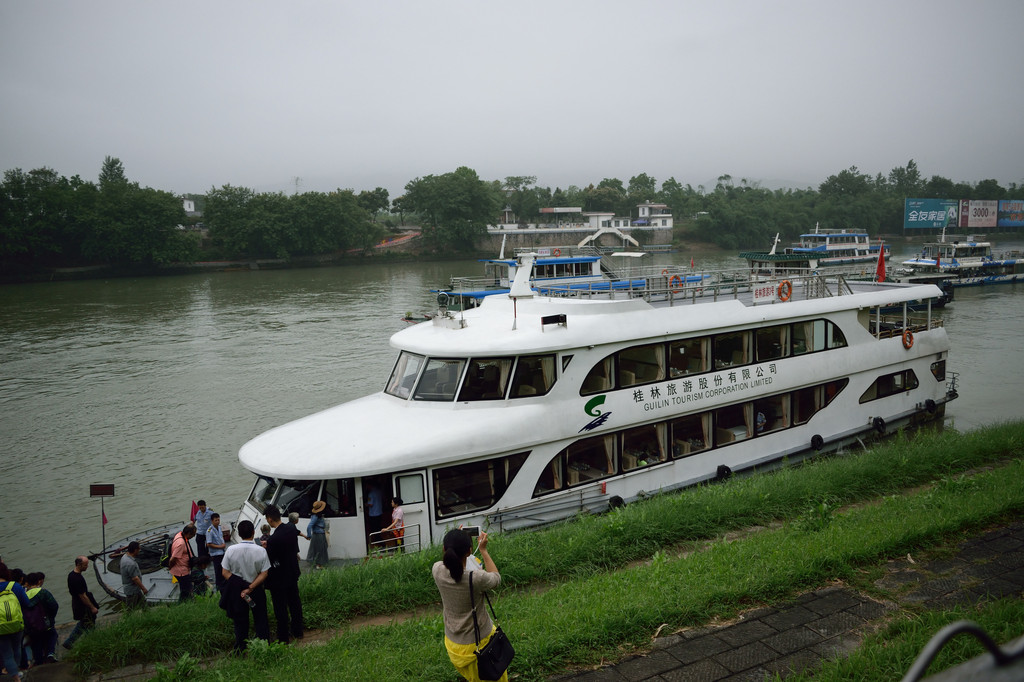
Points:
244	569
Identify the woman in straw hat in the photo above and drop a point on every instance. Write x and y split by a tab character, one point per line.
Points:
316	531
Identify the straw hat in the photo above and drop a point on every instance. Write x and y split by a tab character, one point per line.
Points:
319	506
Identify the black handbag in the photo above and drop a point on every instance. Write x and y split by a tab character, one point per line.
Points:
493	660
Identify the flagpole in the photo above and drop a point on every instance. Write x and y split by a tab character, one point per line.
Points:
103	524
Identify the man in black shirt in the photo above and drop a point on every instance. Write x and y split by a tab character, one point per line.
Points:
83	605
283	578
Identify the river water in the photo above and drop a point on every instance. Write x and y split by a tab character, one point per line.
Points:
153	384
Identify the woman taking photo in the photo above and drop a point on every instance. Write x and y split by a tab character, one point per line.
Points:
450	575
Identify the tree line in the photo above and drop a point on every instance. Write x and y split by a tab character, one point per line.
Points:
47	220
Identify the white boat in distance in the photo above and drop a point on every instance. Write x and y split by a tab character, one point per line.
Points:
964	262
823	248
536	406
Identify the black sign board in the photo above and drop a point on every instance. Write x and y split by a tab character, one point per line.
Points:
101	490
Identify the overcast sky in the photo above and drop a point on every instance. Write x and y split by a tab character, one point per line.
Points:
191	95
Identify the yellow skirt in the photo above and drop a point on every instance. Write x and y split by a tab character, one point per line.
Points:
463	657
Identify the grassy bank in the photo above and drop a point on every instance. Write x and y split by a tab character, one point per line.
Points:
579	559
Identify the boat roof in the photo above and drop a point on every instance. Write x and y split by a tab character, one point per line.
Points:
544	260
832	233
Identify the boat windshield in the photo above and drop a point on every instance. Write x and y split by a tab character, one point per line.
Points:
403	377
294	495
484	378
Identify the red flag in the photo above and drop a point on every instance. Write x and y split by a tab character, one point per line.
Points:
880	270
691	262
195	508
104	518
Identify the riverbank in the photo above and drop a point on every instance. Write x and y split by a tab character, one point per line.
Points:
599	588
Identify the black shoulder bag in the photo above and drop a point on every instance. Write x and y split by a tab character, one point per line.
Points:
493	660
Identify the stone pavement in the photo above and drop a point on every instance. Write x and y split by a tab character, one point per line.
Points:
801	633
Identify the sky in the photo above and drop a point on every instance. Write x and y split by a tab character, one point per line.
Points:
315	96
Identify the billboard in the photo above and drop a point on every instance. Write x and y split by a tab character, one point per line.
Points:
977	213
930	213
1010	213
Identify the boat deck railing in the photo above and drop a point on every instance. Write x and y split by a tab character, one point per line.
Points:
694	286
888	326
680	286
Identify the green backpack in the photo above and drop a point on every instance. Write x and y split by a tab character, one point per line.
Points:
10	611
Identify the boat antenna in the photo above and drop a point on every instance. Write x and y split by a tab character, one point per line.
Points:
521	284
816	227
501	254
774	244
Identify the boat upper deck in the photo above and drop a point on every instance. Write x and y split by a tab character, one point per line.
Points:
705	287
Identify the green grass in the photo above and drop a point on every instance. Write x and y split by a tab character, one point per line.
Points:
579	622
568	556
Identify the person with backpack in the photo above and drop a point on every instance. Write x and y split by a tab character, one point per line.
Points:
40	618
13	603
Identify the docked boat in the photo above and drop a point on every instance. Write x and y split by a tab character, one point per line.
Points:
821	249
538	405
557	269
964	262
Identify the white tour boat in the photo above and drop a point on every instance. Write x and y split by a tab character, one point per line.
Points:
823	248
536	406
964	261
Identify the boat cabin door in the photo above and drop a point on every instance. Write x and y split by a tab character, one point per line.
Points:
411	488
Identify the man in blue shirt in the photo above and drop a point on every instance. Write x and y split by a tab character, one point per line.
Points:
202	521
215	544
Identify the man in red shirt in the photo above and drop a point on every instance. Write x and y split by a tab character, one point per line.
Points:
178	564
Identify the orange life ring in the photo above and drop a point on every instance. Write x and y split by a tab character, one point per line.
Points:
556	252
908	339
785	290
675	282
665	271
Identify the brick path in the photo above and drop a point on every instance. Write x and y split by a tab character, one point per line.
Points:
801	633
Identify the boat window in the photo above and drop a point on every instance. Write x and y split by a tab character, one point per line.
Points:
590	459
643	446
403	377
890	384
691	434
534	375
552	478
297	496
599	379
339	495
410	488
566	359
815	335
939	370
439	380
641	365
262	493
834	337
734	423
595	458
772	342
731	350
688	356
805	403
486	379
477	485
771	414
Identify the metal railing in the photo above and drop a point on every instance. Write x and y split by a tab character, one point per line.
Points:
388	542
